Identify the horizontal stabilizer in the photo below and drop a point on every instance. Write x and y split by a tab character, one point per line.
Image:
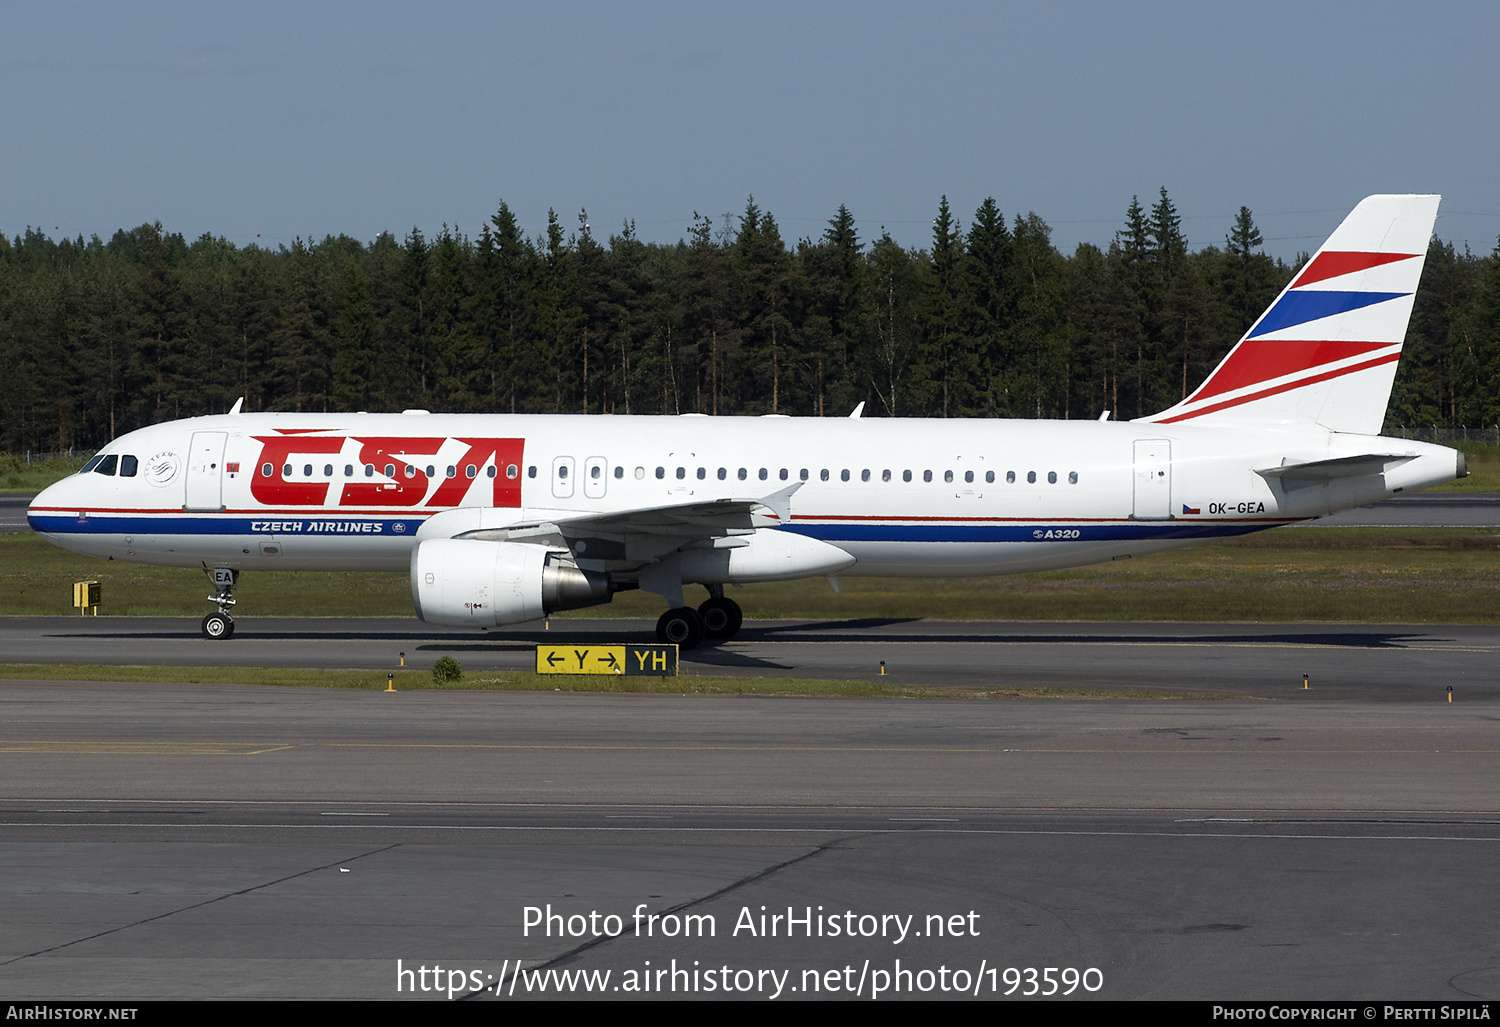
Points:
1338	467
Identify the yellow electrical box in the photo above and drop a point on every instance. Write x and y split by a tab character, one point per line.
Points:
86	597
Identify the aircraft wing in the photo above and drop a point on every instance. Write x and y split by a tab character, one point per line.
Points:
624	538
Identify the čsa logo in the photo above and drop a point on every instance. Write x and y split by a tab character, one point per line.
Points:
387	471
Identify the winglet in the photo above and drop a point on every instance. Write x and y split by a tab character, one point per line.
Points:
780	503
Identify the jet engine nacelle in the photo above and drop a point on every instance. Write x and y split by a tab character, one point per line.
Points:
768	555
473	583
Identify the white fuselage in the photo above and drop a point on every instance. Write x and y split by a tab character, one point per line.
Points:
902	497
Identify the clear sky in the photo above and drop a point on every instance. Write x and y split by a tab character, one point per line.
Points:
264	122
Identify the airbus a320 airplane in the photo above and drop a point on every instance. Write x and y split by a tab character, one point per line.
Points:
503	519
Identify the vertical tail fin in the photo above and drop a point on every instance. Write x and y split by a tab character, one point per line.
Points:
1325	352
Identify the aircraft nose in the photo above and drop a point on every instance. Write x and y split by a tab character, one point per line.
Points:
45	504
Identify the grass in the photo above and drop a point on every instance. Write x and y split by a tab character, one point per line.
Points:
1371	575
1484	471
686	684
16	475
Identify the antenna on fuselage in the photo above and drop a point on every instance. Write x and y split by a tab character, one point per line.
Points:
1104	416
858	410
237	404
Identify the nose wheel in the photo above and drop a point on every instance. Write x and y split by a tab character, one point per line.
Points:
219	624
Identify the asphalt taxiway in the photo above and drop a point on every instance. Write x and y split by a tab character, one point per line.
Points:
1335	842
1417	663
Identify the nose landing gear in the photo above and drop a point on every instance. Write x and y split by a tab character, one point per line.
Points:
221	625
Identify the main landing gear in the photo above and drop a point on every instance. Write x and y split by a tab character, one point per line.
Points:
221	625
717	620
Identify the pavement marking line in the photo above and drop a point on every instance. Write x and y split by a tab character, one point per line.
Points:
745	646
46	746
648	748
1247	835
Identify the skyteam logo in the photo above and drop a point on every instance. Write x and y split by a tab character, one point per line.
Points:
162	468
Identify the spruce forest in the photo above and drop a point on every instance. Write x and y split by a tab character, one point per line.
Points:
990	320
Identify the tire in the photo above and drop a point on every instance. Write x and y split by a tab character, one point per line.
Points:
721	619
681	627
216	626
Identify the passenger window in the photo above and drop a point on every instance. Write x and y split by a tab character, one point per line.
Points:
1051	477
885	475
661	472
531	470
619	470
948	476
783	474
823	474
562	470
110	463
369	470
989	476
864	475
128	466
411	472
491	471
702	473
328	470
349	470
1031	477
804	474
764	474
681	473
595	471
844	474
390	471
452	471
968	476
906	476
1072	477
926	475
470	470
265	470
640	472
723	473
431	470
1010	477
744	474
511	470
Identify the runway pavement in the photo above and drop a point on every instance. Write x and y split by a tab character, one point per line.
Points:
1343	661
13	511
226	841
1273	842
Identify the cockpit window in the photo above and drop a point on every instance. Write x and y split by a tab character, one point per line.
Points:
91	464
128	466
108	465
